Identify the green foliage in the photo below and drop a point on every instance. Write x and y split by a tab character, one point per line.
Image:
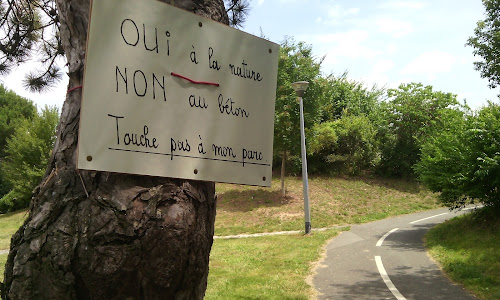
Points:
442	160
27	154
340	94
30	27
325	139
296	63
413	114
343	141
13	109
325	100
347	145
5	186
486	42
463	163
237	11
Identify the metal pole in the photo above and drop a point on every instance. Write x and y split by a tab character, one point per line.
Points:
307	213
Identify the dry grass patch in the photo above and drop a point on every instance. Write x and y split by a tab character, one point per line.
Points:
9	224
3	260
333	202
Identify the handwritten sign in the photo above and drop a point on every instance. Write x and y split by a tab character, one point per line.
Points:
169	93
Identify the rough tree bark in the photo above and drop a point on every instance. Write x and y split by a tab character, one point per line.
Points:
98	235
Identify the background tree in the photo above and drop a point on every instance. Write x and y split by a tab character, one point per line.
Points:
412	114
486	43
296	63
99	235
341	94
344	146
27	155
344	138
13	109
463	162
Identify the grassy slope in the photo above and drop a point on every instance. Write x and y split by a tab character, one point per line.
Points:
333	201
9	224
469	252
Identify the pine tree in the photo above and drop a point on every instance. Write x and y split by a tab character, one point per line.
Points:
99	235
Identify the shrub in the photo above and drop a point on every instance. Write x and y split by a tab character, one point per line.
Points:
345	146
463	163
413	114
27	155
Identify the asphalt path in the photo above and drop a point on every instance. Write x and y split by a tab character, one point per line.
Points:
386	260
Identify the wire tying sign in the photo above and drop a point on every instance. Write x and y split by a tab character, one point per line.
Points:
169	93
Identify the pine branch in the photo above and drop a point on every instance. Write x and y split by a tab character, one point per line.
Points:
237	11
23	25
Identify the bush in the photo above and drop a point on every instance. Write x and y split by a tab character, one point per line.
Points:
345	146
340	94
412	115
463	163
13	109
13	201
27	154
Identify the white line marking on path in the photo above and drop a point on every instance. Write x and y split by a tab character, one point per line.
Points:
428	218
381	240
387	280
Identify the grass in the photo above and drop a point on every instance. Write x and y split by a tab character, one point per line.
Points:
467	249
3	260
9	224
333	201
270	267
276	267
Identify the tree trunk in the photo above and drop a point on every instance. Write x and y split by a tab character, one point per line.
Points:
283	163
99	235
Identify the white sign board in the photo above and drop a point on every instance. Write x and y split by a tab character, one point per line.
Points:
169	93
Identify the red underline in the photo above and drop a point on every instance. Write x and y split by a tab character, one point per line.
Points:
173	74
75	88
194	81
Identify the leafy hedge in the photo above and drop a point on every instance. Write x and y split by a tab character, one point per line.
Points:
463	162
27	153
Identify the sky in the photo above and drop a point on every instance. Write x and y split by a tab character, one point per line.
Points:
382	42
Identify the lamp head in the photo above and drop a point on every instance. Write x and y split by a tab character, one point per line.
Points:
300	87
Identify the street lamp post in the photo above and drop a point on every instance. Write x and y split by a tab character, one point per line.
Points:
300	87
